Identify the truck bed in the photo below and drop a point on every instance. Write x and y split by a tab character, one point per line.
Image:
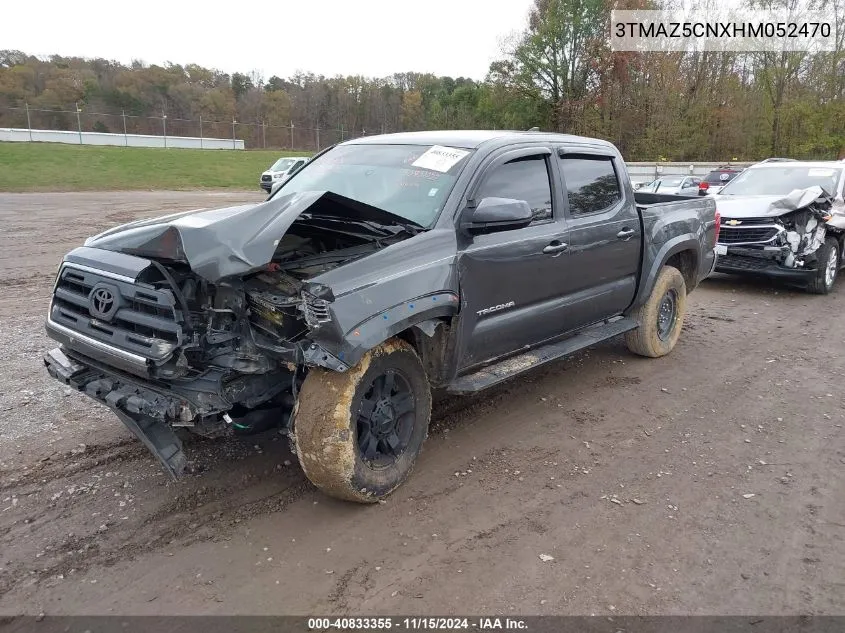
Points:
645	199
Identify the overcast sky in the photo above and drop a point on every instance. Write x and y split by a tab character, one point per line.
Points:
368	37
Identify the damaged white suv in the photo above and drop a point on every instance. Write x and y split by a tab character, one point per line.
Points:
784	219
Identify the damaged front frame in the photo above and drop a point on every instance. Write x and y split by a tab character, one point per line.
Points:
801	221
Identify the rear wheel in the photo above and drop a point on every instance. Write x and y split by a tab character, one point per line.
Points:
661	318
358	433
827	267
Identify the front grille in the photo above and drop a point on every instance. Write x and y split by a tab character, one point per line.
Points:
743	263
144	322
747	234
266	178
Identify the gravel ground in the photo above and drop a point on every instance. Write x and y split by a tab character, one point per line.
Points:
706	482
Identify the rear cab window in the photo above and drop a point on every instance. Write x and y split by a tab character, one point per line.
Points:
592	185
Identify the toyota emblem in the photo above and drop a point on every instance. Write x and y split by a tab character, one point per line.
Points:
103	303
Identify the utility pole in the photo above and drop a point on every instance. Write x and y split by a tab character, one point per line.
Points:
264	134
79	122
164	123
291	134
233	133
125	136
28	123
200	131
318	139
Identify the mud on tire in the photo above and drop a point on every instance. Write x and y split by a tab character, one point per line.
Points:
357	434
661	317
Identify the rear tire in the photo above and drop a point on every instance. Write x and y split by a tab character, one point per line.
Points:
661	318
828	258
358	433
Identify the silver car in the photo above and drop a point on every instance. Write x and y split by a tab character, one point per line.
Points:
677	185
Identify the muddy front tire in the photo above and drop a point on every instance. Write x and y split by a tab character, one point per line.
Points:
661	318
827	268
358	433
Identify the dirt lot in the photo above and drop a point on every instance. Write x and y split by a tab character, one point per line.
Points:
707	482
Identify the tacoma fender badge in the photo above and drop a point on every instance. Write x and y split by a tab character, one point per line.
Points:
501	306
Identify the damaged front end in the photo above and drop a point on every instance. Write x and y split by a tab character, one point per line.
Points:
208	321
782	239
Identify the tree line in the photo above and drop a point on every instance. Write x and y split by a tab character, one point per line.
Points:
558	74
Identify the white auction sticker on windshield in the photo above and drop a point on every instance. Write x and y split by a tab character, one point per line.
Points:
440	158
820	172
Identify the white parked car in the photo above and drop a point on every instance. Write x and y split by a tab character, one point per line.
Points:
281	170
676	185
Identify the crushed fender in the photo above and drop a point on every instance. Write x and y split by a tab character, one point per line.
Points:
804	226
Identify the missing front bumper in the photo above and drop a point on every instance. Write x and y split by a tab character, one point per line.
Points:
148	414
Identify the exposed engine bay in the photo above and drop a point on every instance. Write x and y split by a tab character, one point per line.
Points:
253	323
148	336
803	234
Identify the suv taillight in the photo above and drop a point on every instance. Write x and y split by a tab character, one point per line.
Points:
703	185
718	225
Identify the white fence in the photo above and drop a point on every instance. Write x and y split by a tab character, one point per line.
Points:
122	140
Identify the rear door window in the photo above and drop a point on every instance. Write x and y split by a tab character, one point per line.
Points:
591	183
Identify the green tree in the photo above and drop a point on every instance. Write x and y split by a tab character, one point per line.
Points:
551	58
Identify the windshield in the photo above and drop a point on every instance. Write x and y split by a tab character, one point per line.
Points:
719	177
283	164
782	179
411	181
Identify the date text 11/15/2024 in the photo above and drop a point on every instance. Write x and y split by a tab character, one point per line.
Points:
414	623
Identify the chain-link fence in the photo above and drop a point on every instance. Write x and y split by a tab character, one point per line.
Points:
255	134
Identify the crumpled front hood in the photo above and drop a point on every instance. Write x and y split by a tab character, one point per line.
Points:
766	206
220	243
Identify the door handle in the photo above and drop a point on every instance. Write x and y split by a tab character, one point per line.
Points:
555	247
625	234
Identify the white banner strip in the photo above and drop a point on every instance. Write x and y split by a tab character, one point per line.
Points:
737	30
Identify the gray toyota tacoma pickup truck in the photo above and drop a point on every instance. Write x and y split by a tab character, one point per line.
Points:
388	269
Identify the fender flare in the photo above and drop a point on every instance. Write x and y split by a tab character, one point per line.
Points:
678	244
388	323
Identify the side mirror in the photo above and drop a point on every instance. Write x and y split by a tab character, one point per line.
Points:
496	214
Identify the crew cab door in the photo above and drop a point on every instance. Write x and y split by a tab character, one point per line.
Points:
510	279
605	236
